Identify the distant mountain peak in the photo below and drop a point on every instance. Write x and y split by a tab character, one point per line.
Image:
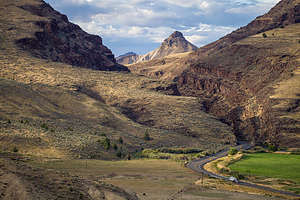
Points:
176	34
174	44
127	58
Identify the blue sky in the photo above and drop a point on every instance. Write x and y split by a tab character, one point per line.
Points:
141	25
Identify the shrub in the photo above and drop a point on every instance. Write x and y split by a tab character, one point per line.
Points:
180	150
119	154
106	143
232	151
103	134
15	149
272	147
45	126
147	136
264	35
299	41
121	140
115	147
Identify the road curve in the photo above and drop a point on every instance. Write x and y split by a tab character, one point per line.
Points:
198	166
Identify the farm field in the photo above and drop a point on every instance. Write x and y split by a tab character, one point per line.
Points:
271	169
270	165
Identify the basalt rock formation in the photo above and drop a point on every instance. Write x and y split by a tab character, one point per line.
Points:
175	43
59	40
250	78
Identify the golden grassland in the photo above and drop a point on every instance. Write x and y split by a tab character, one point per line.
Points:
151	179
80	107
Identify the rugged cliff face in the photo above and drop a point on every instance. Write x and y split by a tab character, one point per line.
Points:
57	39
174	44
236	77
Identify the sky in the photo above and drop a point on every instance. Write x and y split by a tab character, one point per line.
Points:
141	25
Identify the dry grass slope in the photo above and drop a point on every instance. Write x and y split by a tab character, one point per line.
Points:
64	111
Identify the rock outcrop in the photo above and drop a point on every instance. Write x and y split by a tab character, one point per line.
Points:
235	77
174	44
62	41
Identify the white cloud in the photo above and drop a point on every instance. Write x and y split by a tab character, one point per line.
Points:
204	33
258	8
151	34
133	17
151	21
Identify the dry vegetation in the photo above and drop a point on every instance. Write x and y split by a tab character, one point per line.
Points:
152	179
80	107
166	68
51	110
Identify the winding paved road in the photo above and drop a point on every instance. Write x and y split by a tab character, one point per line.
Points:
198	164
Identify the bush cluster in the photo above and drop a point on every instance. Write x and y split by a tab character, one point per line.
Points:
180	150
232	151
106	143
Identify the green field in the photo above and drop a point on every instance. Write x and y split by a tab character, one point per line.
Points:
271	165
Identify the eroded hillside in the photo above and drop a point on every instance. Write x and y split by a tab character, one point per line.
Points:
54	109
45	33
238	84
248	79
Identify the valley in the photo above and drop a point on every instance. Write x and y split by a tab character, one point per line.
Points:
77	124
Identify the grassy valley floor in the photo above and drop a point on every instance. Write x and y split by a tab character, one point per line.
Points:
276	170
149	178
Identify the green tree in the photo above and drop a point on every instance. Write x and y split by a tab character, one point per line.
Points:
121	140
264	35
119	154
15	149
45	126
115	146
232	151
272	147
106	143
147	136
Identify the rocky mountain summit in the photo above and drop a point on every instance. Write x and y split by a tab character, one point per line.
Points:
174	44
56	39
